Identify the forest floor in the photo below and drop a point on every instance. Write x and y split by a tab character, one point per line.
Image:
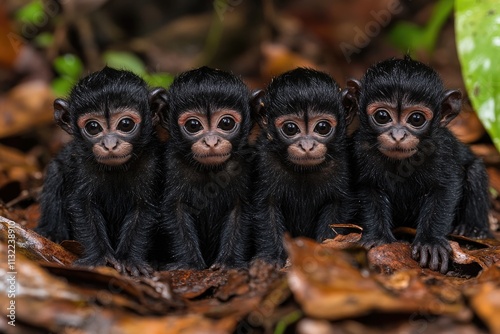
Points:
333	287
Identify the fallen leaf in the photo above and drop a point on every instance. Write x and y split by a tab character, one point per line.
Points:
327	284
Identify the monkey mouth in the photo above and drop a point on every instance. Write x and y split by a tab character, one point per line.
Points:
306	161
398	153
212	159
113	160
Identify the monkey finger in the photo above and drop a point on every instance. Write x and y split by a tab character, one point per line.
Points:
483	234
460	229
146	270
133	271
444	261
216	266
424	255
114	263
434	259
415	253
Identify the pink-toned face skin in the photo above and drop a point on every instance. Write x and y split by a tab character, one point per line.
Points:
397	139
211	145
111	139
307	148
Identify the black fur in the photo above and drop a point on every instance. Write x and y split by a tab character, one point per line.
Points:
204	208
109	210
443	188
300	201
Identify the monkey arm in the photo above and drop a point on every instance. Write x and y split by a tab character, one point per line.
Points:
435	221
472	218
269	231
133	240
181	227
89	227
54	220
233	249
376	217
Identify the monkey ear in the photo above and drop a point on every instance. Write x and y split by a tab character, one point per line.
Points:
61	115
350	99
258	110
451	106
158	102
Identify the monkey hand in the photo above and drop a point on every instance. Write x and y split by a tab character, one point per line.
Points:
466	230
136	267
432	251
218	266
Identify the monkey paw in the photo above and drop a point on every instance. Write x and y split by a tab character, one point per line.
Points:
218	266
431	253
134	268
472	231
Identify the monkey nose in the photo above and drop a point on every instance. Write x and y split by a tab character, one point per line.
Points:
109	143
306	145
398	134
211	141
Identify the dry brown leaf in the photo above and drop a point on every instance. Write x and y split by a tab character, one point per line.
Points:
10	42
487	152
278	59
27	105
466	126
392	257
484	295
328	285
34	246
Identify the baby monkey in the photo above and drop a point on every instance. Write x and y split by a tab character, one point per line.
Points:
208	178
411	170
102	188
303	177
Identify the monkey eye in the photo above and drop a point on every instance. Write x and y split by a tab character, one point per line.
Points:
193	125
382	117
93	128
323	128
290	129
227	123
417	119
126	125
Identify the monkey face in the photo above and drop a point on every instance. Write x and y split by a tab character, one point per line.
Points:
401	103
399	133
111	137
210	135
306	137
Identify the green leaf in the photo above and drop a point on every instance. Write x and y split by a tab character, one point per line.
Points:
68	65
410	37
159	79
62	86
406	36
31	13
44	39
125	61
287	320
477	26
